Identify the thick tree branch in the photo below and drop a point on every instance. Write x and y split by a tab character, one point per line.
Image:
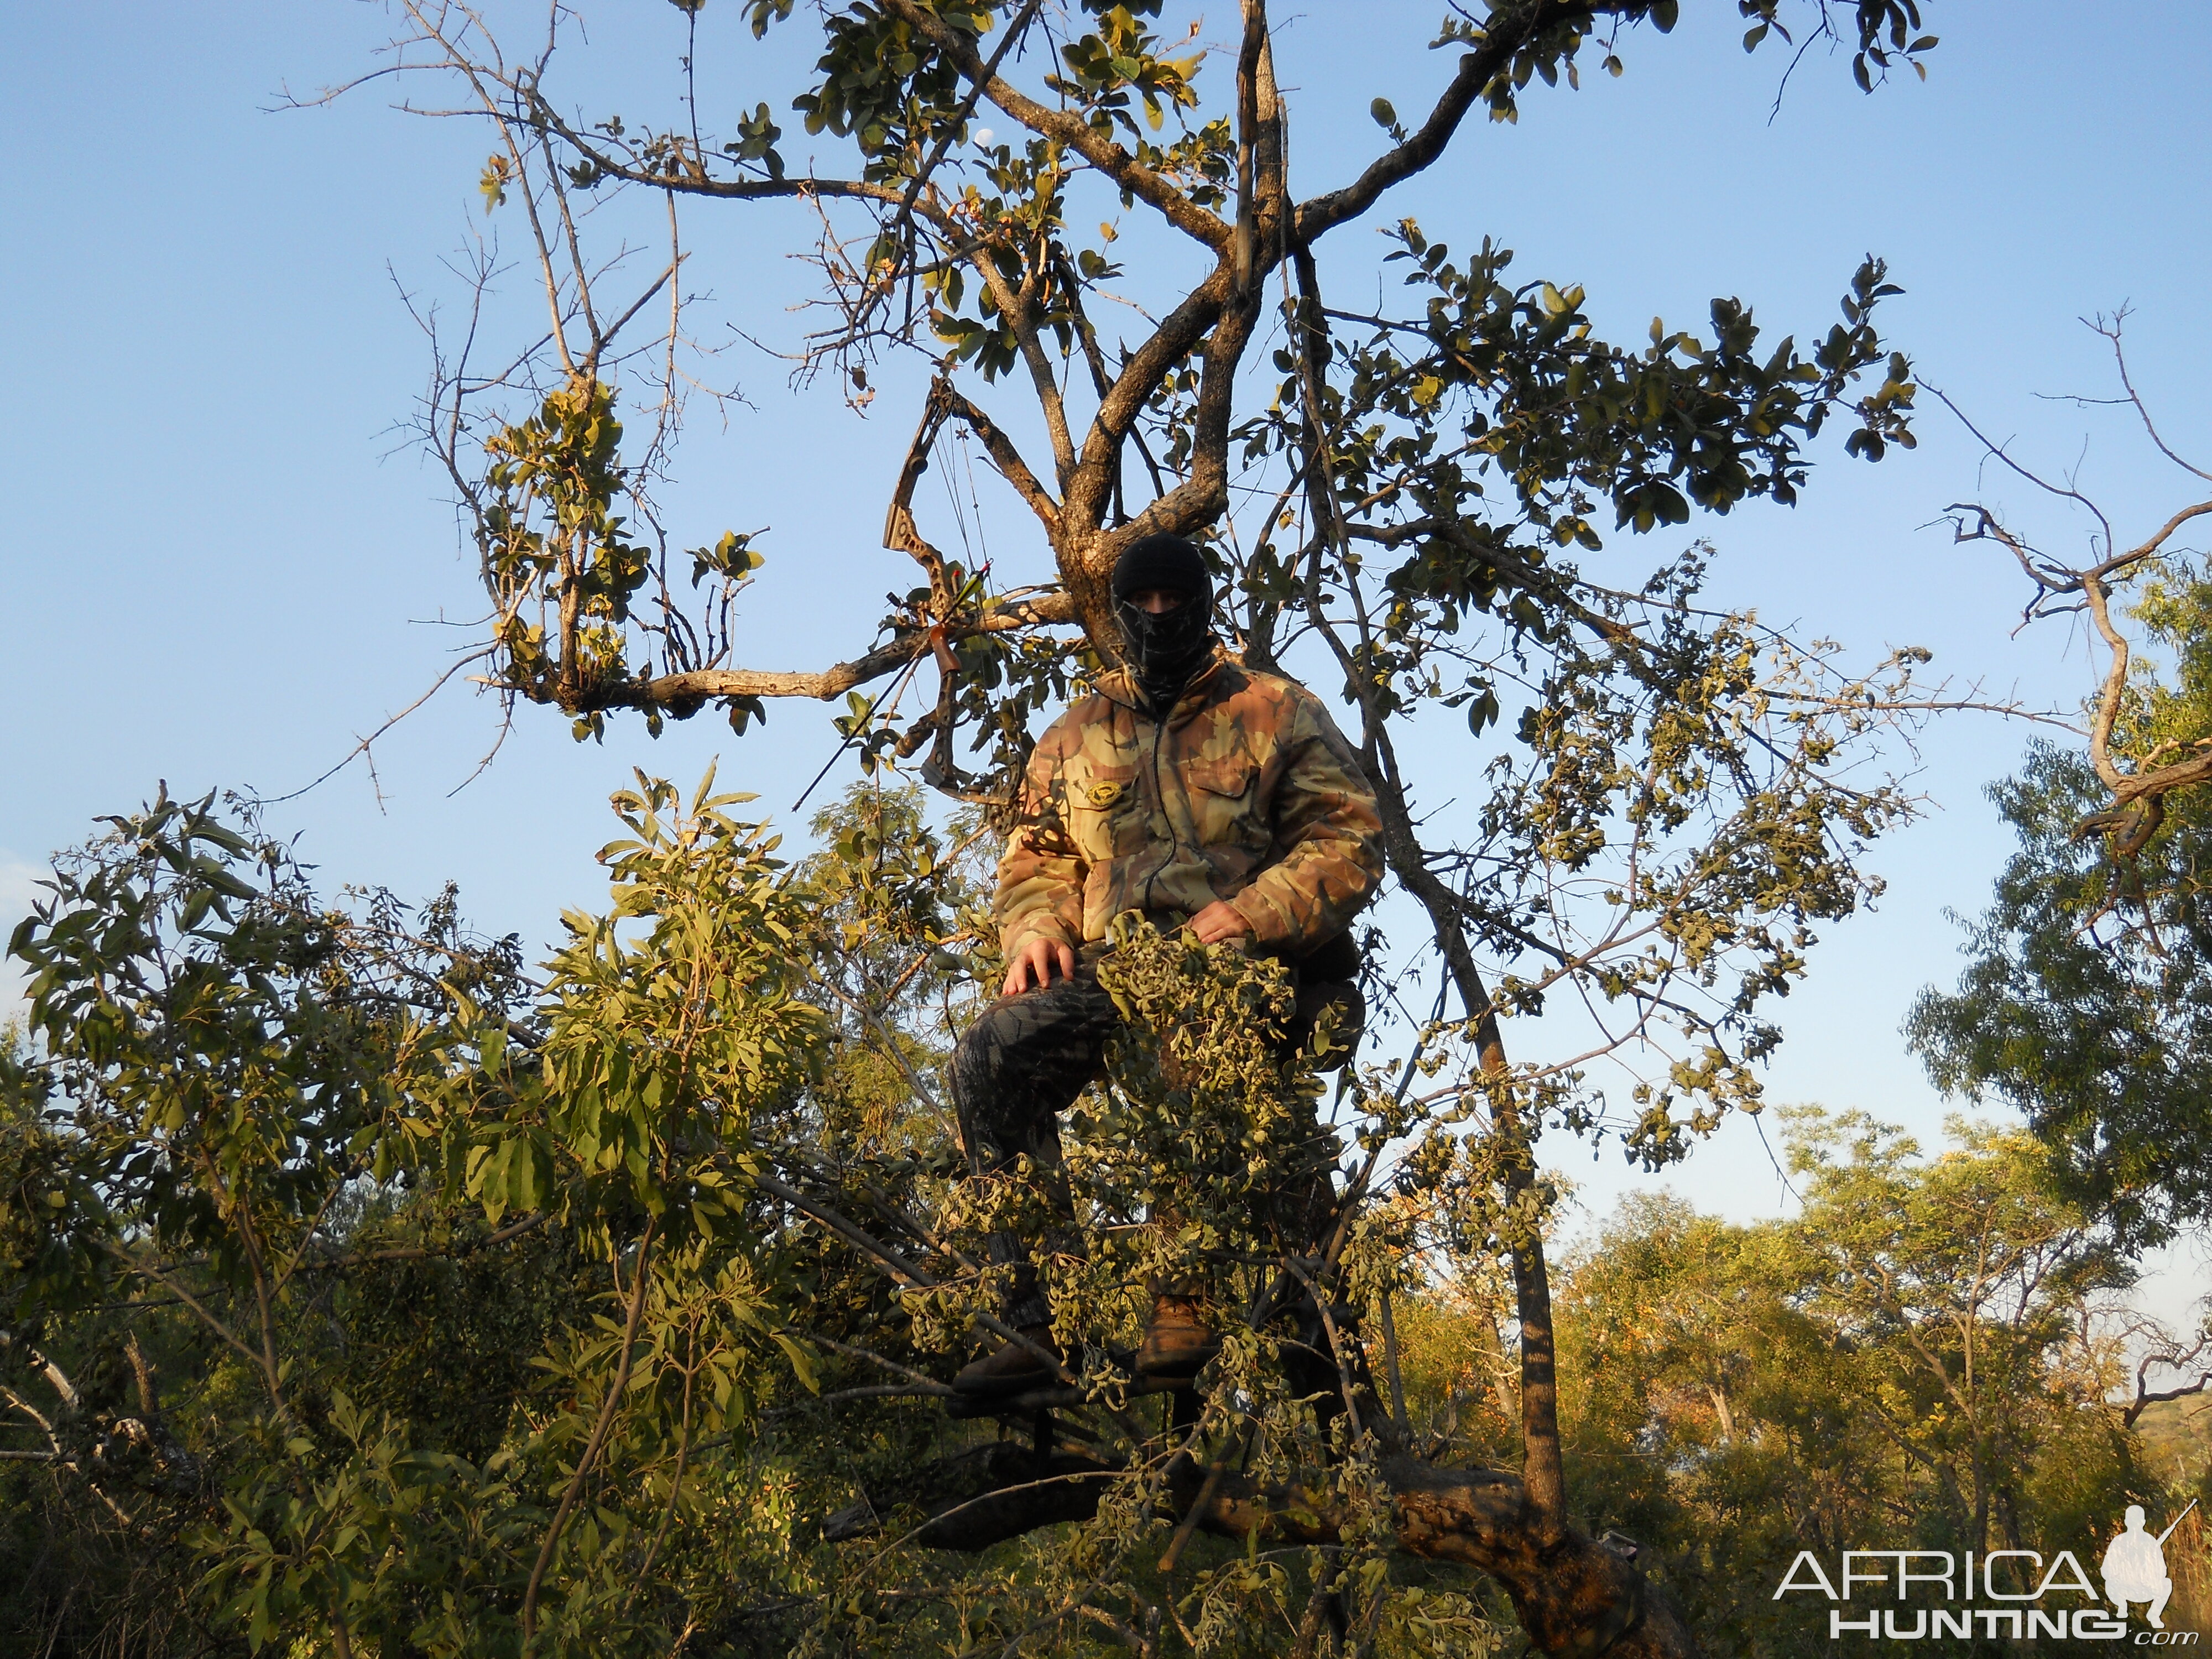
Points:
2147	1396
2138	797
1574	1595
1255	251
685	692
1085	566
1018	305
1251	127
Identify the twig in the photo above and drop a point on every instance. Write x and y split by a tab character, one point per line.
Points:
639	1279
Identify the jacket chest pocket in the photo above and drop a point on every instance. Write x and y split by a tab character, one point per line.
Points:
1224	802
1104	809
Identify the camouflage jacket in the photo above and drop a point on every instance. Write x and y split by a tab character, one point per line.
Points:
1246	793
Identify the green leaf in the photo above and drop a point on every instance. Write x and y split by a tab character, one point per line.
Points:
223	880
802	1363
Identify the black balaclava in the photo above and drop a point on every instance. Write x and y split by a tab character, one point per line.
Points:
1166	650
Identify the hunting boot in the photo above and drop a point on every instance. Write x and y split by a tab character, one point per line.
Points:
1011	1368
1178	1342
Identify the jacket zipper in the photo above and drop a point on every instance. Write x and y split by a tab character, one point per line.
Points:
1159	793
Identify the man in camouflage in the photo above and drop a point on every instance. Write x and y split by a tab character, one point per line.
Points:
1204	794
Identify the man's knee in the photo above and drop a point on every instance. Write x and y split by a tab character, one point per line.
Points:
1024	1060
986	1039
1010	1034
976	1073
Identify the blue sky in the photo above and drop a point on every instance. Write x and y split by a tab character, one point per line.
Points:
221	562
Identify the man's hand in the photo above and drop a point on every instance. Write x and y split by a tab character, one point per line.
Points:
1220	920
1036	961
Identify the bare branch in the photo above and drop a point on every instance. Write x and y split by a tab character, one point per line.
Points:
365	745
2110	330
1998	451
2171	1358
2138	794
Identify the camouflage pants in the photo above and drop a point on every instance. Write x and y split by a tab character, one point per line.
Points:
1028	1057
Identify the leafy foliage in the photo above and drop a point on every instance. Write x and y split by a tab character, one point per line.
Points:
2088	1000
290	1144
563	571
592	1237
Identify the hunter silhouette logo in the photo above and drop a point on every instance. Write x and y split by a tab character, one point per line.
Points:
2135	1567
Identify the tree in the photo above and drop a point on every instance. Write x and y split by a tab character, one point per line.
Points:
424	1248
1969	1278
1925	1356
1670	816
2085	1002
